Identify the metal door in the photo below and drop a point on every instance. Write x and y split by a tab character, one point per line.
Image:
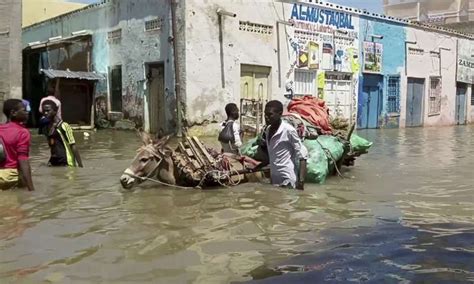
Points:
261	86
254	82
156	98
371	102
371	107
246	85
415	95
338	97
461	104
254	92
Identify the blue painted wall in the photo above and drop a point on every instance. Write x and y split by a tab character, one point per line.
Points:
393	59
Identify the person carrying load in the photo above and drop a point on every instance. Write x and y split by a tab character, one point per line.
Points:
230	131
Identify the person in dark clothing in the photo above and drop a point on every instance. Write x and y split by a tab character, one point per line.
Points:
60	138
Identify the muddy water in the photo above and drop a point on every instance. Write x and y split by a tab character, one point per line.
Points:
404	214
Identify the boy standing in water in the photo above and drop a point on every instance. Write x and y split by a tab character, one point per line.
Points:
60	138
15	140
230	131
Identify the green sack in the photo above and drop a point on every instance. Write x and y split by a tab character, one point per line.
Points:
249	148
317	164
333	147
323	152
253	150
359	144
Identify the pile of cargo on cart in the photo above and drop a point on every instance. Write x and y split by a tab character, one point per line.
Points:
331	144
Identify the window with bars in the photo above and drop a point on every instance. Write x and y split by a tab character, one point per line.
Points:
393	95
153	25
472	95
115	35
305	83
434	106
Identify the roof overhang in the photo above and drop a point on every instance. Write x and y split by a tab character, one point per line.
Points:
58	40
66	74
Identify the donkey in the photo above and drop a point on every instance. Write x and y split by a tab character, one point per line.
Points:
154	160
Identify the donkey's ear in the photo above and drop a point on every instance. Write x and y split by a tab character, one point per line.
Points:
162	141
159	135
146	138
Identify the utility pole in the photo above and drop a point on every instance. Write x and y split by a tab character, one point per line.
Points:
177	85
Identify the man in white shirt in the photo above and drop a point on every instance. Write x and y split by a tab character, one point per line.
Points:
284	147
233	143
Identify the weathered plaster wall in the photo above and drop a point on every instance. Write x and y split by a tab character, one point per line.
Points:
135	48
205	96
465	72
423	61
470	106
393	63
10	50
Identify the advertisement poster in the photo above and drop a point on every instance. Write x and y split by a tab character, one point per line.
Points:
373	57
303	59
465	72
328	57
313	49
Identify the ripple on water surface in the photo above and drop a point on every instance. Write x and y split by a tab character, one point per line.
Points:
404	214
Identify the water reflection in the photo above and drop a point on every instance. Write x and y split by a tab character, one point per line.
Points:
406	209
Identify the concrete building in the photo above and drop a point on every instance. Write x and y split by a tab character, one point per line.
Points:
10	50
431	11
35	11
376	71
128	42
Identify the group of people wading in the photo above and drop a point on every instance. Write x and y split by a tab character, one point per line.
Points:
286	153
280	141
15	141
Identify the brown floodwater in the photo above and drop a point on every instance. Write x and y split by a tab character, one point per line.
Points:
404	214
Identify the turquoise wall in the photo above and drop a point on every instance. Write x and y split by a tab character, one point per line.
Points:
393	59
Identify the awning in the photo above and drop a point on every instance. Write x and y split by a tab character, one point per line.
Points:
91	76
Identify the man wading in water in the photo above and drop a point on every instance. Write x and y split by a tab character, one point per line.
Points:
284	148
60	138
15	140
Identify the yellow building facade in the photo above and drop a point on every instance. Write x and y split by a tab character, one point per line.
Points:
35	11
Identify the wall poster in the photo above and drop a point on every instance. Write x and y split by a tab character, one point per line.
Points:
373	57
313	50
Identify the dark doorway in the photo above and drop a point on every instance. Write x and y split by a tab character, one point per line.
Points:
461	98
76	101
156	97
115	75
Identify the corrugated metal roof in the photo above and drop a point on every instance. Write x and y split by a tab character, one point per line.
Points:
51	73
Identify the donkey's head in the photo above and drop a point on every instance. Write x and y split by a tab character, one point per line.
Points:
153	159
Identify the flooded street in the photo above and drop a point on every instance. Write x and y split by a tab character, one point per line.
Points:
405	214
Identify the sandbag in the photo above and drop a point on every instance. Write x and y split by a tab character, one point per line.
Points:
334	149
359	144
317	164
322	154
249	148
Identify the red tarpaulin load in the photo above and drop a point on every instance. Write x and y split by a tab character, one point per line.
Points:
313	110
